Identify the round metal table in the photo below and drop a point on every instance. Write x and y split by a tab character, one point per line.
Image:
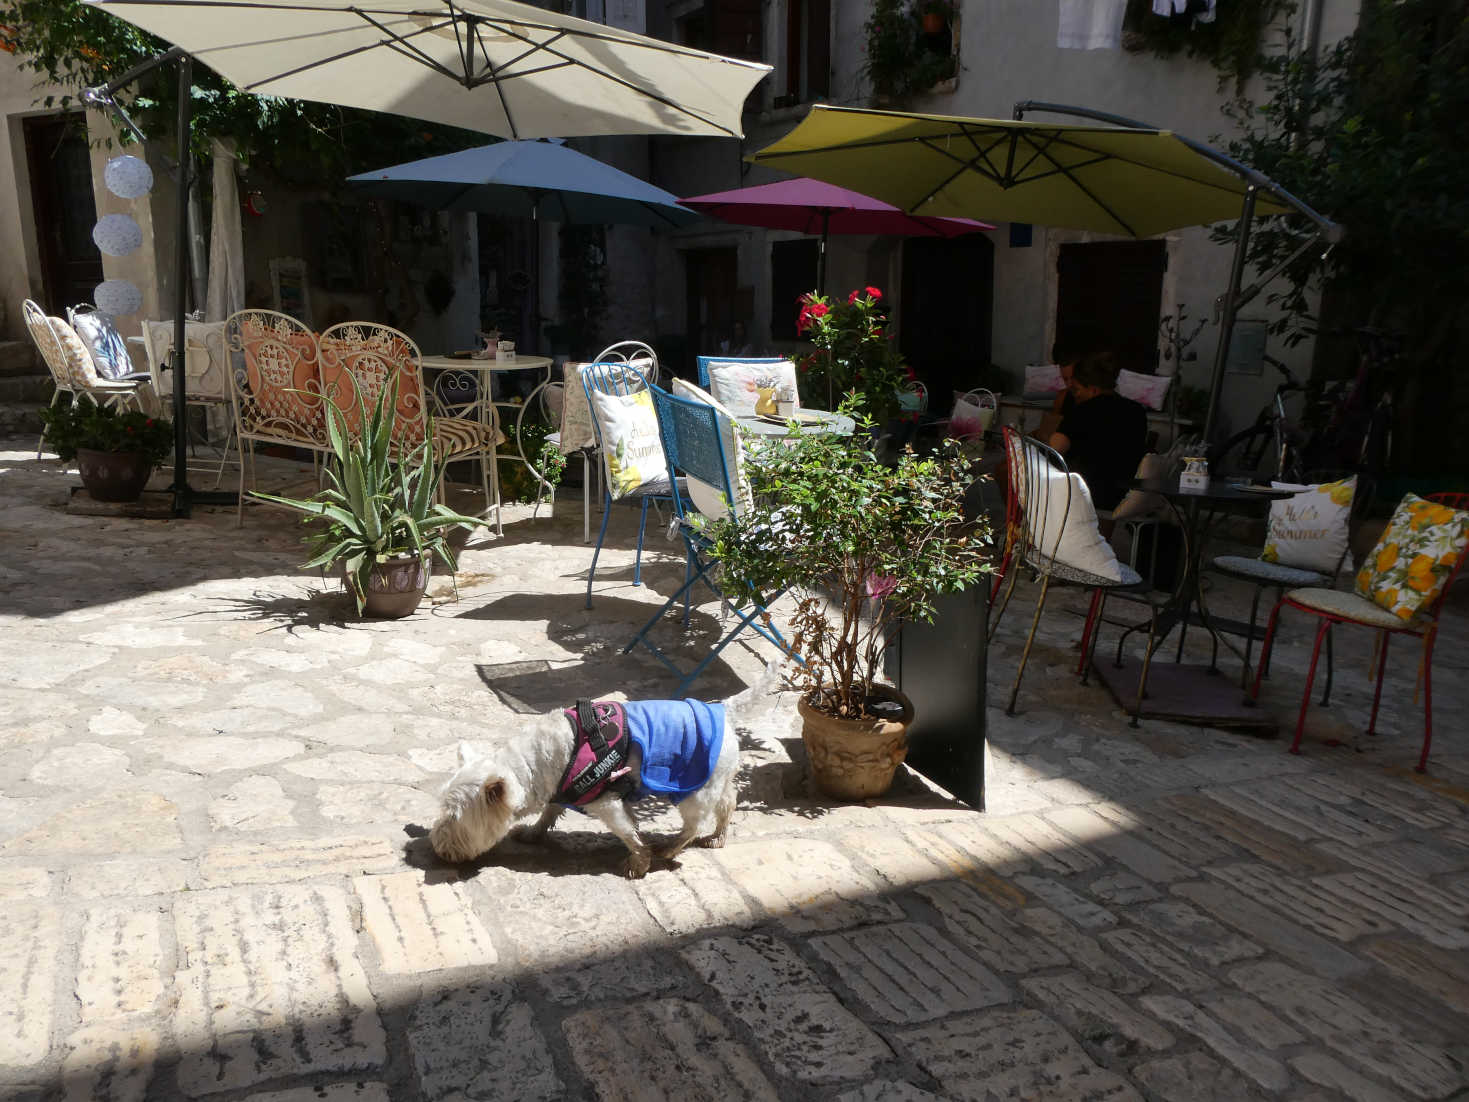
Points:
465	369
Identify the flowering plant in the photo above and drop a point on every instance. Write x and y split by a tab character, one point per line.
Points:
854	361
862	545
899	60
102	428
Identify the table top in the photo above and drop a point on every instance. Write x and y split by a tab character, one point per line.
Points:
456	363
1218	491
812	420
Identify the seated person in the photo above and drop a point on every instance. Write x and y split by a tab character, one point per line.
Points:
1105	435
1064	357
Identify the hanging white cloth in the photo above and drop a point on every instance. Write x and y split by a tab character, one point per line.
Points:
226	245
1168	8
1090	24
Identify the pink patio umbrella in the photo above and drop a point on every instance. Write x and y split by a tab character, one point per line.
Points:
810	206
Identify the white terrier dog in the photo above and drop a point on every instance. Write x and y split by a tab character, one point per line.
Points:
548	766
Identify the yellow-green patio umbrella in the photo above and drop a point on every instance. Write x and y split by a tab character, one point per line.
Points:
1124	178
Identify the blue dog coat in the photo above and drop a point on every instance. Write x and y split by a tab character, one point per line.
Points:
679	741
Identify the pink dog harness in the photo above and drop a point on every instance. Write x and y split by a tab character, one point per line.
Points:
679	741
599	759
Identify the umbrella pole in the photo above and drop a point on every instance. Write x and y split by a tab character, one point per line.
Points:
821	286
1231	303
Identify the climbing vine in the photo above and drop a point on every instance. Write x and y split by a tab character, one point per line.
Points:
1231	42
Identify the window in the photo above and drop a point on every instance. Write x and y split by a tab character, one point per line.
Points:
807	52
792	274
728	27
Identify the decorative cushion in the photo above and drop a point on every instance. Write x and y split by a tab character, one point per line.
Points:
1043	379
456	436
1267	573
632	450
735	384
1412	561
1070	533
99	333
1310	530
1146	390
576	416
709	499
1346	604
1139	504
75	354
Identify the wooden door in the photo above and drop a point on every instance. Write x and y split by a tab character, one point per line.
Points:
948	292
60	166
712	296
1108	296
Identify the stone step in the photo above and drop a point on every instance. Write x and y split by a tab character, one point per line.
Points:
19	358
21	419
26	388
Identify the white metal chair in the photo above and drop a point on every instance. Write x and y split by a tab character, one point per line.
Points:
206	372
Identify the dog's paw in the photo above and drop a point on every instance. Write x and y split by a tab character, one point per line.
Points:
636	865
712	841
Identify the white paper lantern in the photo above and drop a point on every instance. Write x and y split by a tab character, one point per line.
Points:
117	234
128	177
117	297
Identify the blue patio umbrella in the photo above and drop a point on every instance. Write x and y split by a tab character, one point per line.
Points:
534	179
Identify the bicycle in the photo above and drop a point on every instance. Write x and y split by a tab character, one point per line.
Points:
1271	447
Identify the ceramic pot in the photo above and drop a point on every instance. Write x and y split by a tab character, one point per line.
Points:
933	22
113	476
855	759
395	587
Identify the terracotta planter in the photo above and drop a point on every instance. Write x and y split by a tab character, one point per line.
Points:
855	759
395	587
933	22
113	476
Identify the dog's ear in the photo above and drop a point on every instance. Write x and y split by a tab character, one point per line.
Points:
493	791
464	754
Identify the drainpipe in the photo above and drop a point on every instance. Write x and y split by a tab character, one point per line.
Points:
1311	28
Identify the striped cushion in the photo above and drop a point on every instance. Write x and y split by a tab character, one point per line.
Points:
456	436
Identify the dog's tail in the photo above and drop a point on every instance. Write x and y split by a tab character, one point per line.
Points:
742	705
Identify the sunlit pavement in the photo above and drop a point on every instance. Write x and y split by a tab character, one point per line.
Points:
214	781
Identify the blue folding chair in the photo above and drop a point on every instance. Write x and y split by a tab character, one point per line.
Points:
694	446
705	361
620	378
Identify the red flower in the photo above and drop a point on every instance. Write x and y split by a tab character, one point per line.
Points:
874	293
148	423
130	428
852	297
819	309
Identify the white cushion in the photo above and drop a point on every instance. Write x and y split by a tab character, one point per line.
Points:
1141	503
735	383
1081	545
576	416
1044	379
972	414
632	450
1146	390
709	499
1309	530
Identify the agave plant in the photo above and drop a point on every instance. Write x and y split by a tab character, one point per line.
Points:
373	509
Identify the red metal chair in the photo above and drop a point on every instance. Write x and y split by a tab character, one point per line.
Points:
1337	607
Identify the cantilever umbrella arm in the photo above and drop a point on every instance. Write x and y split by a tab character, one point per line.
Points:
1228	304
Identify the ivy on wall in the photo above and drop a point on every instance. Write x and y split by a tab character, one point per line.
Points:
1231	43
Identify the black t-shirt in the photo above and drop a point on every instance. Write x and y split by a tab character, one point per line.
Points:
1108	436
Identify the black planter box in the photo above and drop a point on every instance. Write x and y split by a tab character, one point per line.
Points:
940	667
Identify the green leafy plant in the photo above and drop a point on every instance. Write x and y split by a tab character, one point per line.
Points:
1231	43
898	61
374	509
861	545
517	483
103	429
854	361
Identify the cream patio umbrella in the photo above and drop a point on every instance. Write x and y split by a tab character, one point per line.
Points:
1123	177
496	66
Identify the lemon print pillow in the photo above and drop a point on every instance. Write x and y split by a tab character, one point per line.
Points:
631	448
1407	570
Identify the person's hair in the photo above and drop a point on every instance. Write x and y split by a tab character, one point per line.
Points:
1097	369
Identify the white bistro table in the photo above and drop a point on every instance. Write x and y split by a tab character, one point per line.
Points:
465	369
810	420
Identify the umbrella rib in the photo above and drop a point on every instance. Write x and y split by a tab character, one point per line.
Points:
396	42
499	92
1081	187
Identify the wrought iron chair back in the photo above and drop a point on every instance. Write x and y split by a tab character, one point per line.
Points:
275	382
359	361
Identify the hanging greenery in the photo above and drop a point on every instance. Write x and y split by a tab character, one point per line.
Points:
74	45
900	59
1231	42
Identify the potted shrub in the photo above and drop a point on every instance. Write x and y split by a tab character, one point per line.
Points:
377	518
115	452
854	361
863	546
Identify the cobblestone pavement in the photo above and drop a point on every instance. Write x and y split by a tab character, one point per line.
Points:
214	779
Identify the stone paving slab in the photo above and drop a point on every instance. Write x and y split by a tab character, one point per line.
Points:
215	781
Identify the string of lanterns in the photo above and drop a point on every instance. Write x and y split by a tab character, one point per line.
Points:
127	177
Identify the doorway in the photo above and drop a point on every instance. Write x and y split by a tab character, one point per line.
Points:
60	164
1109	296
712	298
947	303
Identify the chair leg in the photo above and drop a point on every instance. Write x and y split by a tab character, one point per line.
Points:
1295	746
41	443
1029	639
586	498
637	566
596	551
1377	692
1244	676
1265	650
1427	697
1330	667
1089	654
1086	632
1012	573
1142	678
